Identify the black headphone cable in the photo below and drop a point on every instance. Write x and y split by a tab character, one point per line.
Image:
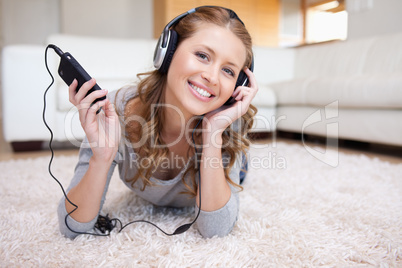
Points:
104	224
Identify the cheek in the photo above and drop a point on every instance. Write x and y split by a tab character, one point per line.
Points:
181	65
228	89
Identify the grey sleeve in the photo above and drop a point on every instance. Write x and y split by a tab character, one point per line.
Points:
220	222
81	168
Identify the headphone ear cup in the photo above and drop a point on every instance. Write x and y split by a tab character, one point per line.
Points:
171	48
242	80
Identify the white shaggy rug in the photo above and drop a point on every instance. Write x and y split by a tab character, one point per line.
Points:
295	211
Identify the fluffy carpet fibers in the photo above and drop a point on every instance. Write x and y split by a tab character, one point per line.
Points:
295	211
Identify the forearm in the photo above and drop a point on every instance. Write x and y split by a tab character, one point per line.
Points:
87	194
220	201
215	190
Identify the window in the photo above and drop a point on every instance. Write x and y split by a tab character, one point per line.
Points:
325	20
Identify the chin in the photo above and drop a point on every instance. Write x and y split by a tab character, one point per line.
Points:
196	110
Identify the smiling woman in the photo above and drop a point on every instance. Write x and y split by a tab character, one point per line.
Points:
165	120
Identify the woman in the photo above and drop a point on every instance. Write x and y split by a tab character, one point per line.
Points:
171	108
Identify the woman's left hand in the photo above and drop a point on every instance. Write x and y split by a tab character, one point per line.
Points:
221	118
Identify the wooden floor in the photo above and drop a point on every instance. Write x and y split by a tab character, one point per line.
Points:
390	154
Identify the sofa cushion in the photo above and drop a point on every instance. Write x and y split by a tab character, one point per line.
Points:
273	65
384	55
292	91
370	125
358	91
336	58
265	97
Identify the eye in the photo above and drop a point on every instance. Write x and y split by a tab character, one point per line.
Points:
229	71
202	55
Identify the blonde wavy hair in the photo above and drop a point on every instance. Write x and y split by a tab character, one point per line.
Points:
151	92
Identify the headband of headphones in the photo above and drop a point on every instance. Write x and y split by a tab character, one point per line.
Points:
167	42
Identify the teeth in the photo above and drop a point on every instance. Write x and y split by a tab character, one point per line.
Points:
201	91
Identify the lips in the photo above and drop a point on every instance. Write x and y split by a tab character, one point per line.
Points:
200	91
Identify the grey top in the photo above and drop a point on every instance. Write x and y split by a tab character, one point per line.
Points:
160	193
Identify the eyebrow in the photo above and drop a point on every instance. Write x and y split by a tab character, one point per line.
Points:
211	51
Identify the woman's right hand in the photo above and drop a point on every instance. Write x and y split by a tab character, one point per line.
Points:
102	129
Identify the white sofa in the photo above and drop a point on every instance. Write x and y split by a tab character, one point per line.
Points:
344	89
113	62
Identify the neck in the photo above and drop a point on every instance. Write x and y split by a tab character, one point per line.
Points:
174	121
177	123
175	118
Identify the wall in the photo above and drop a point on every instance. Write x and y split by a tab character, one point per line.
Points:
291	23
31	21
373	17
260	17
28	21
105	18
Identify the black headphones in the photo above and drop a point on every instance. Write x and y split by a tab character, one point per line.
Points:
167	45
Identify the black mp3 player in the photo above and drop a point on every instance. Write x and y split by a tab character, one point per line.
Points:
70	69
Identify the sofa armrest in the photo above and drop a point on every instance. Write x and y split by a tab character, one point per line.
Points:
24	80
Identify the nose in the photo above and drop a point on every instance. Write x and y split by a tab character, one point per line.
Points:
211	75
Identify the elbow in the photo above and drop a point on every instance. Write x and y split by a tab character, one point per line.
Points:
217	223
63	218
69	227
212	231
66	232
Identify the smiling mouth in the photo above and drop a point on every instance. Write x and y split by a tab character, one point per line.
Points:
201	91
